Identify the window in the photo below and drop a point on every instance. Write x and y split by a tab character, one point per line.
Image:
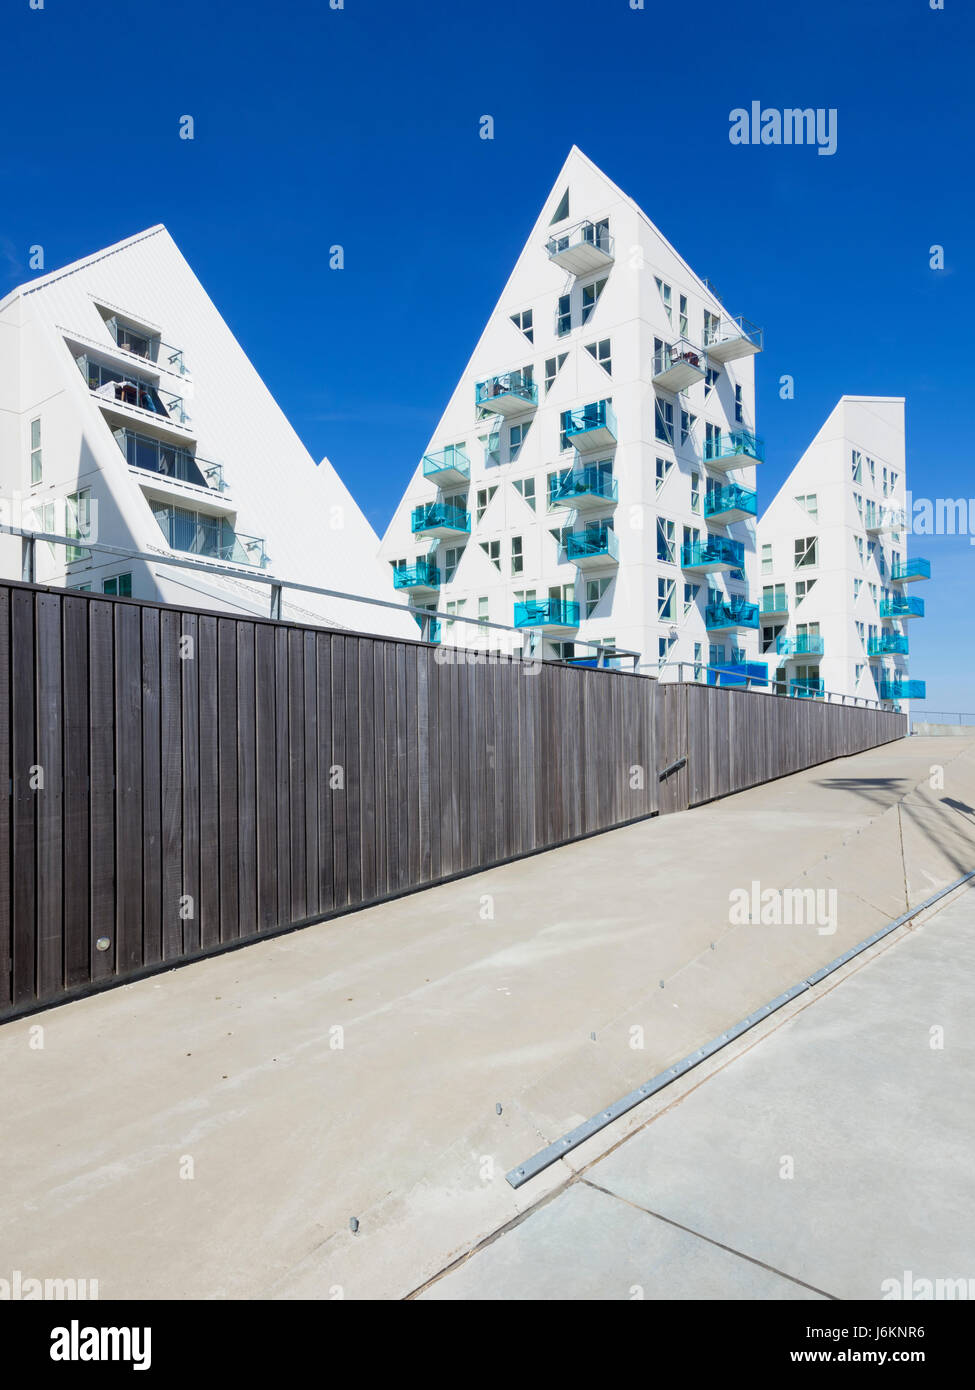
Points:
858	499
691	592
808	503
81	588
35	451
665	541
859	668
692	536
526	486
553	482
563	318
861	631
687	422
451	559
492	549
484	495
560	535
516	437
698	661
454	606
77	523
682	315
770	634
873	593
711	324
893	483
739	415
590	294
595	589
553	365
859	546
803	587
806	552
517	555
563	651
564	422
695	492
491	444
664	418
666	294
665	646
600	353
872	469
712	441
119	584
398	564
766	559
710	379
857	466
663	471
715	655
561	213
524	322
483	613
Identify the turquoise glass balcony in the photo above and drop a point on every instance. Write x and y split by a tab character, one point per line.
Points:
714	554
585	487
721	617
745	675
440	519
676	366
803	644
509	394
888	644
774	605
732	338
737	449
591	426
807	690
549	613
432	626
448	467
907	571
585	247
730	503
595	547
902	690
424	575
902	607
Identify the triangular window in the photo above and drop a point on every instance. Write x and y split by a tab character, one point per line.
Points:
562	211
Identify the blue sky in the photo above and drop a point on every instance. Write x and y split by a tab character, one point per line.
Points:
359	126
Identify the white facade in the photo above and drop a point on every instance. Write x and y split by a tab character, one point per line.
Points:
130	415
833	559
600	315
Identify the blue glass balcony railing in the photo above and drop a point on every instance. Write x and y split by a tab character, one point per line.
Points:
506	391
727	615
889	644
548	612
903	570
807	690
740	448
423	575
722	501
438	517
715	551
749	675
594	543
592	425
804	644
432	625
589	482
450	463
902	607
902	690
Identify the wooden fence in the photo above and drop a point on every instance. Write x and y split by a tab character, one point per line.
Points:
182	781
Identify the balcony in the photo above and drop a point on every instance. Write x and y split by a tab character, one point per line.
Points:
733	338
877	519
724	617
196	533
583	248
448	467
591	426
423	577
440	519
594	548
584	488
730	503
676	366
168	463
553	615
907	571
713	555
807	690
774	605
902	607
738	449
803	644
743	675
888	644
902	690
142	342
429	627
509	394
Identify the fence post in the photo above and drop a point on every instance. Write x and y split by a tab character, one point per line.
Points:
28	562
276	601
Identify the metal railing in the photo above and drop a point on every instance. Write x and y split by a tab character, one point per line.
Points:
736	676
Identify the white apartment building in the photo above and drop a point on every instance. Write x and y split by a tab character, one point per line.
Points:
592	479
836	576
130	416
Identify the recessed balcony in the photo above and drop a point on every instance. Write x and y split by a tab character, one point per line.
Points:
677	366
733	338
903	690
421	577
552	615
888	644
163	464
737	449
448	467
729	504
584	488
803	644
902	607
583	248
713	555
879	518
594	548
807	690
507	395
197	533
774	605
725	617
907	571
591	426
440	520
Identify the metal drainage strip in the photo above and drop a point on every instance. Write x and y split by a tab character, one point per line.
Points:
553	1152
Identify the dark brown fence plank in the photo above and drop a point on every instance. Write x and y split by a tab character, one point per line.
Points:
23	801
77	946
171	772
6	922
128	787
247	813
151	790
49	798
209	733
101	714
